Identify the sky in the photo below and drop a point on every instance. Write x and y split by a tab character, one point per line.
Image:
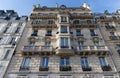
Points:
24	7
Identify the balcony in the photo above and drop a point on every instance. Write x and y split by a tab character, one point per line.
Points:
79	35
37	50
82	16
43	24
64	51
106	68
48	34
43	68
110	27
86	68
65	68
90	50
43	16
85	25
114	37
24	68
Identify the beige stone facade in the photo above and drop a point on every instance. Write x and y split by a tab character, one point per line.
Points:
63	42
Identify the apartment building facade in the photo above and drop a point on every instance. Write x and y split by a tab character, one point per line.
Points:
11	28
62	42
109	24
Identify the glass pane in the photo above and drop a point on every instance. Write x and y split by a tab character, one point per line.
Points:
62	62
45	61
67	61
102	61
26	61
63	29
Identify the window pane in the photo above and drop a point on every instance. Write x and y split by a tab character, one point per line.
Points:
44	61
80	43
47	44
26	62
63	29
102	61
6	54
62	62
84	62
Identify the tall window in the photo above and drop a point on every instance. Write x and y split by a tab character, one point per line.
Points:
5	30
26	62
102	61
12	41
84	62
64	62
63	29
50	22
47	44
92	33
17	30
80	43
96	43
78	32
6	54
44	61
76	22
64	42
63	19
49	33
32	43
112	33
35	33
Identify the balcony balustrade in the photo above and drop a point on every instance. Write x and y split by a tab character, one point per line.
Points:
24	68
106	68
86	68
89	50
29	50
43	68
65	68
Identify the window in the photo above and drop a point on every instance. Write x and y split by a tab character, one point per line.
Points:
96	43
64	42
63	19
25	63
12	41
5	30
49	33
35	33
78	33
50	22
92	32
76	22
17	30
32	43
112	33
47	44
89	21
80	43
64	62
1	39
44	62
1	68
102	61
106	24
84	62
63	29
6	54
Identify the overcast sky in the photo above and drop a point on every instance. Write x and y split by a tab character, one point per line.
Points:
24	7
